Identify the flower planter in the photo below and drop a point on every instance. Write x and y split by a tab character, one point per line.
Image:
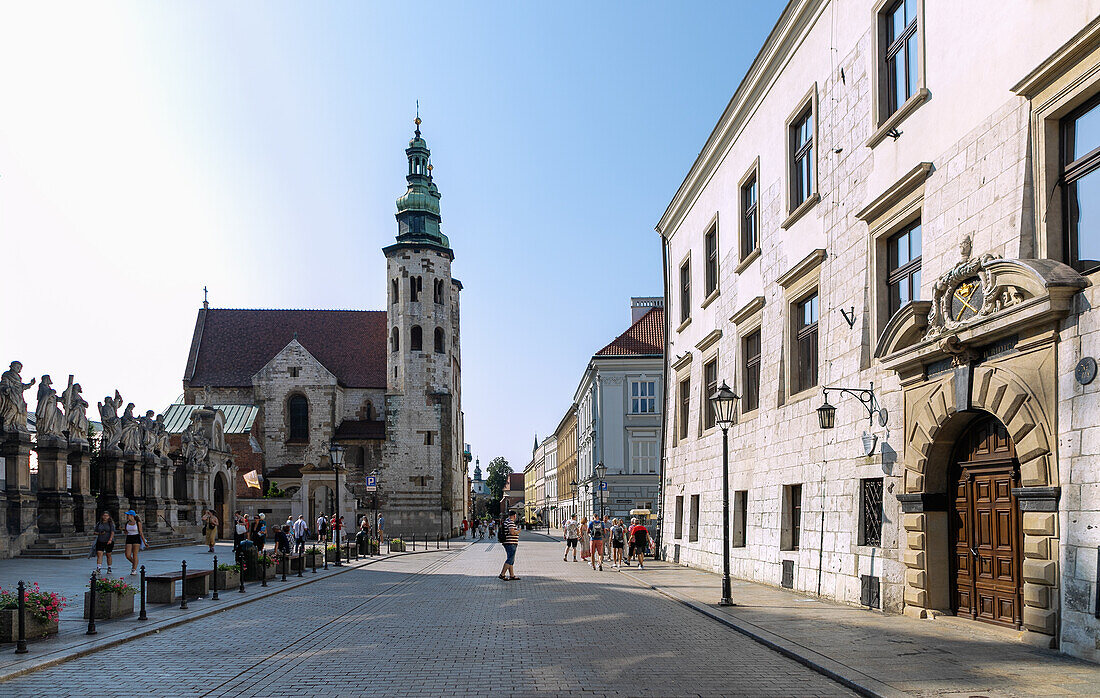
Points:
110	605
227	579
330	555
313	560
397	547
33	627
270	571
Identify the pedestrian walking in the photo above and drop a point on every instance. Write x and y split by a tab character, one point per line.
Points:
618	537
509	537
240	527
135	539
639	535
282	539
104	541
595	532
322	528
465	528
607	536
572	534
299	529
259	532
584	540
381	528
210	528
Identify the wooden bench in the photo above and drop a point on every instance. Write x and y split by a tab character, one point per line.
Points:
161	588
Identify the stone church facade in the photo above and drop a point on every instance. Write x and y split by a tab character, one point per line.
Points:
897	201
385	384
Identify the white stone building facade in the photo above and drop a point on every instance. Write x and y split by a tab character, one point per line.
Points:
898	195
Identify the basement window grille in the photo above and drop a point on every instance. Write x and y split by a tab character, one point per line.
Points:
869	594
871	501
788	574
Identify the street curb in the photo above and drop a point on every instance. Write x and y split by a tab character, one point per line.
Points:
92	646
862	684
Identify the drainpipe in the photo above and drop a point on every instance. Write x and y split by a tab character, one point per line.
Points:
664	406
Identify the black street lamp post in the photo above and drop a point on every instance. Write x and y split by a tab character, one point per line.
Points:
573	486
724	402
336	455
587	501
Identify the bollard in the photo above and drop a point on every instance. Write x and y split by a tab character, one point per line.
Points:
324	554
21	640
263	569
183	586
301	561
437	543
240	568
142	615
286	561
214	596
314	564
91	608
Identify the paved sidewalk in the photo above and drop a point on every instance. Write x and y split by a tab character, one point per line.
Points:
881	654
70	579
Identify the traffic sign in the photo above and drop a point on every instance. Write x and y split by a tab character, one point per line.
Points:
603	485
372	483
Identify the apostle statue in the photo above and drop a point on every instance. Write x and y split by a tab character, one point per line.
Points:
48	417
131	430
13	408
76	412
162	437
148	425
200	445
108	416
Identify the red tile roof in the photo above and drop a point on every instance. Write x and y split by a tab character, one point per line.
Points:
230	346
646	337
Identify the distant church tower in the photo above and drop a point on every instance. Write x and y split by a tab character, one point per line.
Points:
423	469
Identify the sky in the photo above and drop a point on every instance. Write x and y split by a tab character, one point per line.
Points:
149	149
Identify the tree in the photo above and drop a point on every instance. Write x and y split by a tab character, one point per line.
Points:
499	470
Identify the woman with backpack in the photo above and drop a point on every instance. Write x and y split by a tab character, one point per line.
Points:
639	534
618	537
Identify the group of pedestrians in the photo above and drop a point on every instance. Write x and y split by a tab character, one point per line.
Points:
104	545
591	537
477	530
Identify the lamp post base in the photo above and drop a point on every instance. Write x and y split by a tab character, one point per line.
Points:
727	594
726	601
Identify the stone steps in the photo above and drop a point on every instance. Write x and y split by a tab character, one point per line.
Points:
72	546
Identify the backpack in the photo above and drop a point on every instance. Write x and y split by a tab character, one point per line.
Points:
502	533
617	534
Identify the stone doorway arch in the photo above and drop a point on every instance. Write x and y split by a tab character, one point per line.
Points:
937	413
221	502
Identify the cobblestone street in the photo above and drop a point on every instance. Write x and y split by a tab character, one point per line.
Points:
443	624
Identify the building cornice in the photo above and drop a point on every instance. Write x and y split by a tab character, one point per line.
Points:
788	33
747	310
710	339
809	263
1086	41
896	192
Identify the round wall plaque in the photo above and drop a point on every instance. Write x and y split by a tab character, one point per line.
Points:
1085	371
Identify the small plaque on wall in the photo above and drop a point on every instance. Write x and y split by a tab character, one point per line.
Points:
1085	372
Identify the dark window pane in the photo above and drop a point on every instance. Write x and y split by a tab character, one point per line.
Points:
911	66
915	290
897	80
897	22
1085	204
914	242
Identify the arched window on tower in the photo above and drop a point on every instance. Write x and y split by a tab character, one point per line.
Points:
416	339
439	291
416	285
395	340
298	409
439	346
395	291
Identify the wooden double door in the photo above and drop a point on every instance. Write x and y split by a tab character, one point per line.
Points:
985	526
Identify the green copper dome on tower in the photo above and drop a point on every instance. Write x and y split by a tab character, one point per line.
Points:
418	209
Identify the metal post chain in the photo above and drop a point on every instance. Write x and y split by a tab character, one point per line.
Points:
91	608
183	586
21	640
214	596
142	615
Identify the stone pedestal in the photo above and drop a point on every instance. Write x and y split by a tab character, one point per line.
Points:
84	505
131	479
22	505
112	496
150	477
55	505
168	479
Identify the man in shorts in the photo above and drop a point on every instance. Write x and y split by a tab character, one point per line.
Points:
572	535
595	533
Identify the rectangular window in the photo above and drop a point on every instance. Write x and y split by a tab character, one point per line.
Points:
900	57
685	405
685	292
643	457
802	157
693	525
643	397
750	222
740	518
903	256
710	386
294	371
870	507
1081	174
710	283
805	358
750	374
678	530
792	517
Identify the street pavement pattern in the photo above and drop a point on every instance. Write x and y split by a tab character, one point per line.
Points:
442	624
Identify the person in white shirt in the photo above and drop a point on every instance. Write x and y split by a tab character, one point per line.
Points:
572	531
322	528
298	528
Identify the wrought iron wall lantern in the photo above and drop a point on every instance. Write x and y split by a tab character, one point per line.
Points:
826	414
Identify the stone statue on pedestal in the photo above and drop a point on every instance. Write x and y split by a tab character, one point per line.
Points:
112	425
131	430
13	408
48	418
200	445
148	425
76	413
162	437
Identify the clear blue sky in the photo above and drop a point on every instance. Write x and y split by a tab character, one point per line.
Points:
149	149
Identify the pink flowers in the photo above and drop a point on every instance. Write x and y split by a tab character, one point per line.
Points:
113	586
44	605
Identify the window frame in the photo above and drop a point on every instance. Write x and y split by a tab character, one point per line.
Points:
751	179
439	341
684	287
693	520
905	272
884	118
869	538
683	407
711	263
706	409
678	520
292	419
416	338
800	333
639	398
750	367
1071	172
791	534
740	524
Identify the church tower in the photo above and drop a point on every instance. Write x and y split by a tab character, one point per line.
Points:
422	458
